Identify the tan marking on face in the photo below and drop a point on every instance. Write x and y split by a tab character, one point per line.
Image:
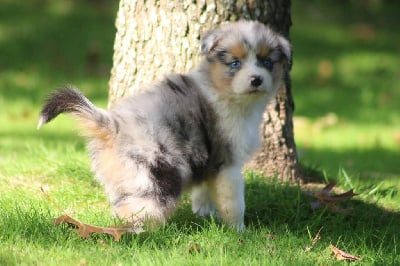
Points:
220	77
238	51
263	50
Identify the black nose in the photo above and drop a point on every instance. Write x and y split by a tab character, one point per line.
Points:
256	81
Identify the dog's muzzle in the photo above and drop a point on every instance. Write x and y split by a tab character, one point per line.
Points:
256	81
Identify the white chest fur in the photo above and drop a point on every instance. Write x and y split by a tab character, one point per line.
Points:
240	125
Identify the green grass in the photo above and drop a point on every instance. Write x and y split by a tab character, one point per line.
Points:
346	80
347	129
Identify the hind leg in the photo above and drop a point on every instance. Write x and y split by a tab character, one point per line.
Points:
140	187
145	212
201	200
149	196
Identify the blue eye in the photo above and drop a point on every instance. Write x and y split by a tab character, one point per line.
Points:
235	64
268	64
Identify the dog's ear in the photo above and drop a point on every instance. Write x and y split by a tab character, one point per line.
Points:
210	40
285	48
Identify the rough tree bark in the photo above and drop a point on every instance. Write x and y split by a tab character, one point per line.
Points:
156	37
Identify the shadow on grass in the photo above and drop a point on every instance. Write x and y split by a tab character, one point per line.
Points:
283	209
286	211
272	208
280	207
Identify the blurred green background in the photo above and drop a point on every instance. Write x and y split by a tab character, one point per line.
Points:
346	77
346	84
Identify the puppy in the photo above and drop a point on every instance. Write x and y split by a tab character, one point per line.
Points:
188	131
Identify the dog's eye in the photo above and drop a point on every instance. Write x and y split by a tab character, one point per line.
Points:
235	64
267	63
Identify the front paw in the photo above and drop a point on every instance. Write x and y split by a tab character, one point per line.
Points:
239	227
204	209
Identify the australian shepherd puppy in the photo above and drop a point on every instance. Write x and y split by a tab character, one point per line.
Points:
188	131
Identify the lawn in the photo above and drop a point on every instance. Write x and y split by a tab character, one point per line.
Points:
345	76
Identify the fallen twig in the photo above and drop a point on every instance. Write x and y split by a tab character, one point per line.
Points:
341	255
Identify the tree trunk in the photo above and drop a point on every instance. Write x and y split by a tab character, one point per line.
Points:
157	37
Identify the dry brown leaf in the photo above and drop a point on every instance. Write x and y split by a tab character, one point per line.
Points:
84	230
325	198
341	255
